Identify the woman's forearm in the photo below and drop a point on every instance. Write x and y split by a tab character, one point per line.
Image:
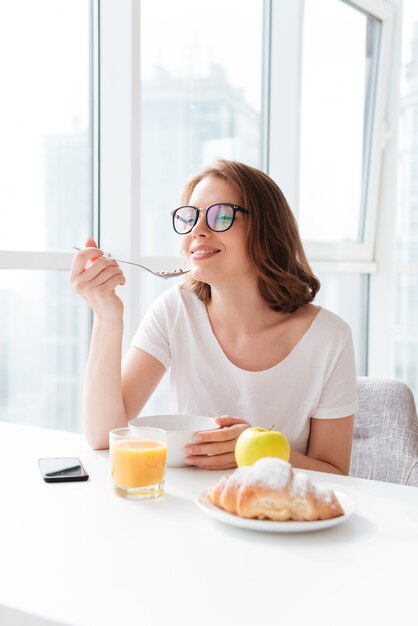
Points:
104	408
302	461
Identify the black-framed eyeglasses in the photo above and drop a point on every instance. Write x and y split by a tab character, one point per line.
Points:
219	217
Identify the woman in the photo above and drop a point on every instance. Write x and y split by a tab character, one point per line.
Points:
241	336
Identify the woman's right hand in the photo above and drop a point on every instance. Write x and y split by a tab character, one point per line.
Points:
95	278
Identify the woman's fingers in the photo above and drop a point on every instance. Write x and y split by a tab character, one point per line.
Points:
106	281
215	449
226	433
218	462
229	420
90	243
83	258
95	277
100	271
90	266
99	281
211	448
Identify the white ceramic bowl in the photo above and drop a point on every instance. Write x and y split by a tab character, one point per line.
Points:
180	430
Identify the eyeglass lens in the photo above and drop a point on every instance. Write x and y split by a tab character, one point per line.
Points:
219	218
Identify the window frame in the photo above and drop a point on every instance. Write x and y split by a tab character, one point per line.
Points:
32	260
119	157
283	157
375	255
116	158
52	260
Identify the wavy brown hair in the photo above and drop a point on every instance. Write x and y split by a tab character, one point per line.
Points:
275	249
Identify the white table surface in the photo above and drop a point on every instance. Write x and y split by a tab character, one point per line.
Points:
76	553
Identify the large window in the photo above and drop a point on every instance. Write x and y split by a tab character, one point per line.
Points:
297	88
45	206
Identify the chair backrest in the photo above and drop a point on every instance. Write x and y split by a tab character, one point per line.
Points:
385	443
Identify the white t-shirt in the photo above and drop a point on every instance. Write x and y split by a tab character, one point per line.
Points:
317	379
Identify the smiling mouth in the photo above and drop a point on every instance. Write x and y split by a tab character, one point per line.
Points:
204	253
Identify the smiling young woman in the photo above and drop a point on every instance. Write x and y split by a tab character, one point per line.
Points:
242	340
274	246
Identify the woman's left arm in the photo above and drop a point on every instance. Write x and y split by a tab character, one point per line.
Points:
329	447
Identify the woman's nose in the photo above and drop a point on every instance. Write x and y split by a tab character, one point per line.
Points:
200	228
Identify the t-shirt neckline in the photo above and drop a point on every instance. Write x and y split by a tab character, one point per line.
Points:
295	348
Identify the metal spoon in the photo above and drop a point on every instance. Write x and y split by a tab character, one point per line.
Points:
173	274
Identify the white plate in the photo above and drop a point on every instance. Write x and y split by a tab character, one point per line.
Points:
270	526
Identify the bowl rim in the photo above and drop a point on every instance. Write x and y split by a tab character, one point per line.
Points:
182	430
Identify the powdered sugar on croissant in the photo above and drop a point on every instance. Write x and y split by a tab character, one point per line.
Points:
271	489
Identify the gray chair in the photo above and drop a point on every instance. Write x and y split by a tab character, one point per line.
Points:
385	442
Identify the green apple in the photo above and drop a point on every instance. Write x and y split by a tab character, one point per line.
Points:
255	443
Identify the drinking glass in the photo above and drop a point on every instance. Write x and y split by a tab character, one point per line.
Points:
138	461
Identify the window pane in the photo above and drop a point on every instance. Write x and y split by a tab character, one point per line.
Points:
406	328
45	148
347	295
406	365
43	349
201	98
340	47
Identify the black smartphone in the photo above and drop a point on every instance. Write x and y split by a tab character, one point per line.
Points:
61	470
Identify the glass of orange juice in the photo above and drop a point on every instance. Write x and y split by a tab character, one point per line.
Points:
137	460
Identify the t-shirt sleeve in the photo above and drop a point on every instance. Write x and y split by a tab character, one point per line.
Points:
339	394
152	335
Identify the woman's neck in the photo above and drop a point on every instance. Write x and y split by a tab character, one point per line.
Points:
241	307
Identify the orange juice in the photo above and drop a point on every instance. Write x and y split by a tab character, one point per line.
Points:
137	462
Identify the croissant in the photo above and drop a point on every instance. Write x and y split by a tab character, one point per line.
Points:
271	489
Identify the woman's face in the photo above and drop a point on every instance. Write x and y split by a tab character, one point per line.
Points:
214	257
